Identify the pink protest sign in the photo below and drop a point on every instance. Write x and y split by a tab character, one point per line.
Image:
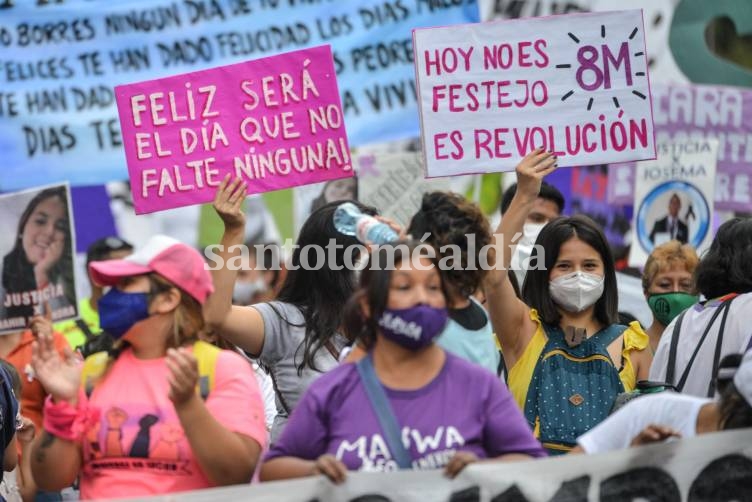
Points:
276	122
576	85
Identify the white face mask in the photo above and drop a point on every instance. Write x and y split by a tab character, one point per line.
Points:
577	291
244	291
521	258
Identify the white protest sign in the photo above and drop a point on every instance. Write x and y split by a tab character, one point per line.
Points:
674	198
393	183
714	466
576	85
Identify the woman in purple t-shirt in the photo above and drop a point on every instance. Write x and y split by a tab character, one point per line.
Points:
450	412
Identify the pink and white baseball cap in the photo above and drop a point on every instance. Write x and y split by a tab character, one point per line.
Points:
177	262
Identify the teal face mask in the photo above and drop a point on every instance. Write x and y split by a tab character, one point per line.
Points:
666	306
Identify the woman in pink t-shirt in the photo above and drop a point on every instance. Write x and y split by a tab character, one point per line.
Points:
164	413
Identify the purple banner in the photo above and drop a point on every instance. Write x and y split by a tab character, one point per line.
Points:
621	183
683	112
92	214
585	192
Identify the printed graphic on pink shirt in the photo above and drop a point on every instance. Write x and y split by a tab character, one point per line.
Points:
149	440
138	446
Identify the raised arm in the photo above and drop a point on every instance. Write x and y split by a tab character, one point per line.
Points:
242	326
509	315
56	458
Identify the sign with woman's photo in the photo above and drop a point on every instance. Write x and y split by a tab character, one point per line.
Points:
674	198
37	243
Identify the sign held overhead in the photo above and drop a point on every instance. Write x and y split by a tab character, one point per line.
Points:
575	85
276	122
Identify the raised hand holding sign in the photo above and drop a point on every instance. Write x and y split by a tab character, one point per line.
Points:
574	85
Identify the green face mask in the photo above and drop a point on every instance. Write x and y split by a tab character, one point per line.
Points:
667	306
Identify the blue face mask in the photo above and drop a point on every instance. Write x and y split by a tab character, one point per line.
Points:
119	311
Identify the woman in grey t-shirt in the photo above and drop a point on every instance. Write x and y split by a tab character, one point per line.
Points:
296	337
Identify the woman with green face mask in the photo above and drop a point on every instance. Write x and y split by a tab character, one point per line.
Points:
668	285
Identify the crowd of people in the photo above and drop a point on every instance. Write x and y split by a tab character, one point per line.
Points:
185	378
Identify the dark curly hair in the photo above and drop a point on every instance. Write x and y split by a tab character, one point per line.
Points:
449	219
727	266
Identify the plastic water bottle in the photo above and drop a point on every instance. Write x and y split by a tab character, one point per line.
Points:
349	220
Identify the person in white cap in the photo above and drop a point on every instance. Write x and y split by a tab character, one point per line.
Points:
658	417
162	413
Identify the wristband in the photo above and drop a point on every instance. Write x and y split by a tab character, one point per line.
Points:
69	422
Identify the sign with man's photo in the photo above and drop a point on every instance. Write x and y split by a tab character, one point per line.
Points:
674	198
